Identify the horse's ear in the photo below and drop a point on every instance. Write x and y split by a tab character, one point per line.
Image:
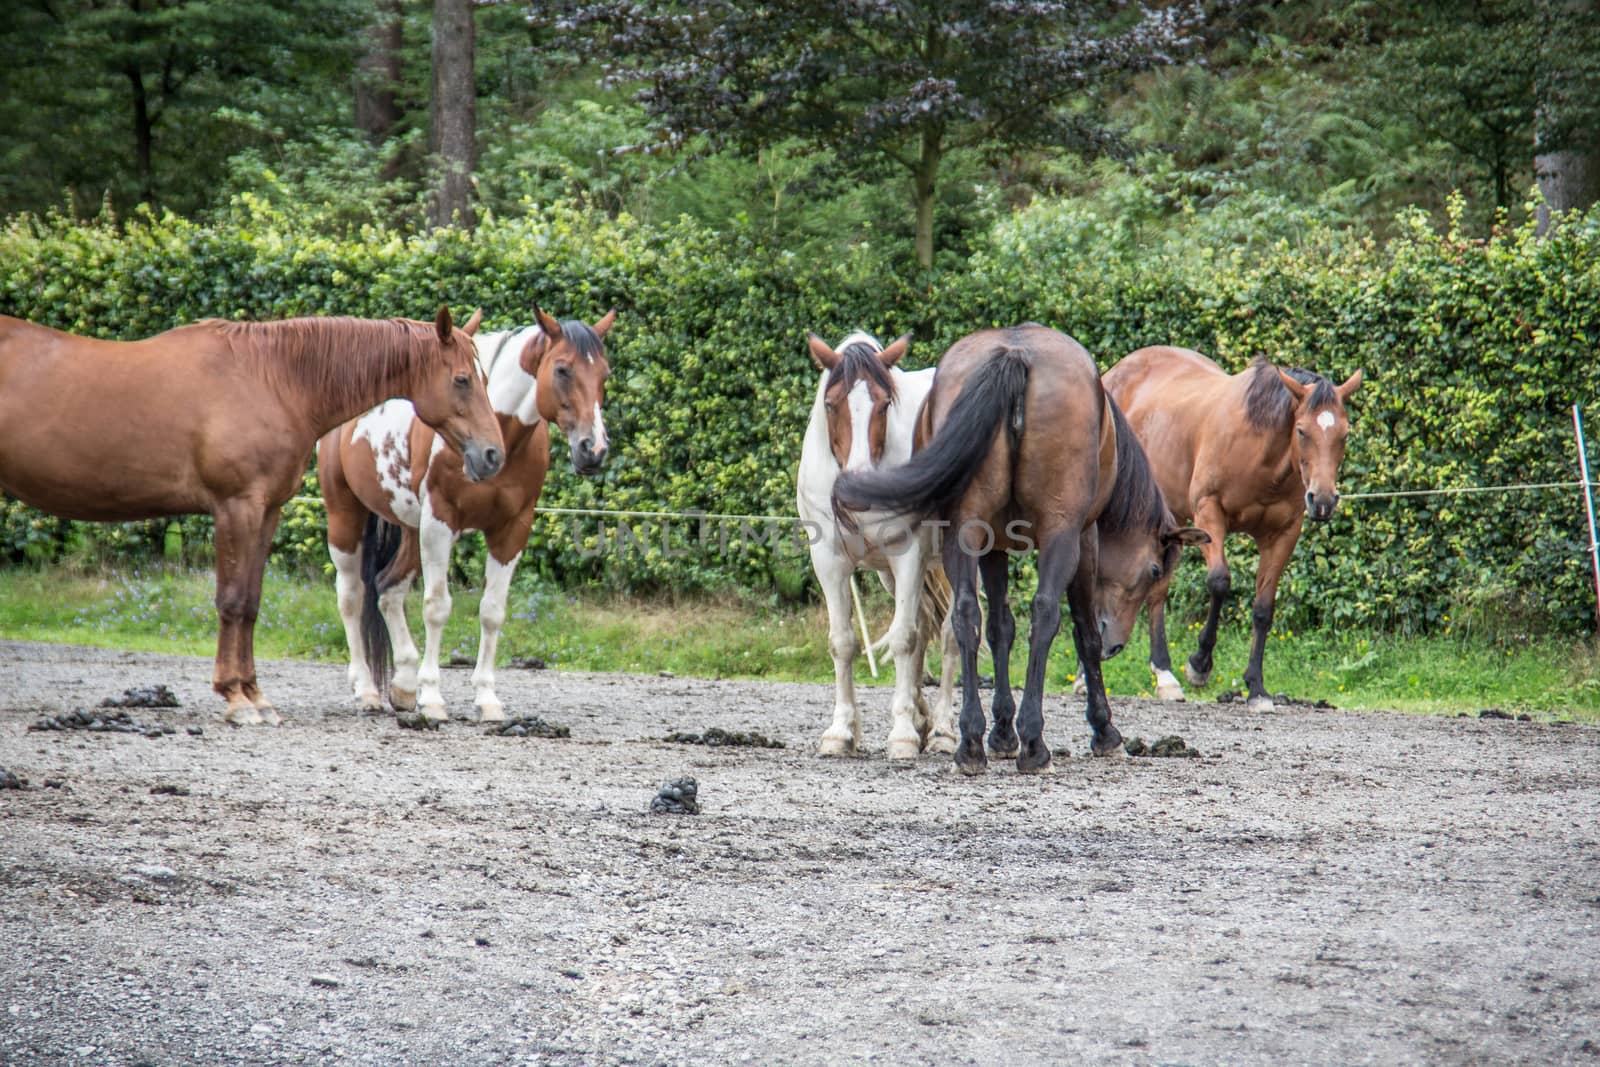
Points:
442	323
896	351
603	327
547	323
1296	389
473	322
1351	384
824	357
1188	535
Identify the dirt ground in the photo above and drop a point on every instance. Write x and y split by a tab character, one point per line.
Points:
1325	887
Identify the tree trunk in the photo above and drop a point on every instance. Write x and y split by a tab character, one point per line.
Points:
454	127
1568	170
378	74
926	182
142	137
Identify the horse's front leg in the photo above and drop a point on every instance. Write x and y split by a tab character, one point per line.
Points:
905	644
843	735
247	638
944	734
1208	516
1275	549
436	540
1167	685
492	616
1086	638
238	529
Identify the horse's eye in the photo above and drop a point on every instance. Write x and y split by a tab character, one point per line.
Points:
563	371
462	381
1155	572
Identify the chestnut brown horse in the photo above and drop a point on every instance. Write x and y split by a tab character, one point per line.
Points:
219	418
1250	453
1020	448
385	470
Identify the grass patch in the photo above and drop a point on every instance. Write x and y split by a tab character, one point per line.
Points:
161	608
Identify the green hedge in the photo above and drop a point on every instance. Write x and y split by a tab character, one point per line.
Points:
1473	353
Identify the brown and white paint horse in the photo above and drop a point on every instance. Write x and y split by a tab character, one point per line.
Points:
218	418
1251	453
1020	448
387	465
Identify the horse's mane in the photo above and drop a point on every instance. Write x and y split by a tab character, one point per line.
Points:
1136	502
581	336
859	362
1270	406
335	358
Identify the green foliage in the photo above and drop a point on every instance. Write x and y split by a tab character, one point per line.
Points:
1473	352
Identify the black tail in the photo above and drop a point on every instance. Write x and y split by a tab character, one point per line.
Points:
380	543
938	476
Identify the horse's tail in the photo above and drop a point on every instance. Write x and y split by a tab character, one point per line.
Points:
938	476
380	545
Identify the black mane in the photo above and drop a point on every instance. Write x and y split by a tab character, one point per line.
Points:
1270	406
1136	502
583	339
859	362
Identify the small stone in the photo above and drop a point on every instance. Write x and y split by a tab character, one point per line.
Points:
677	798
326	981
169	789
481	941
11	781
196	731
156	872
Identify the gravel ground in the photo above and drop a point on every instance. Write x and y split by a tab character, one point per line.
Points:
1324	887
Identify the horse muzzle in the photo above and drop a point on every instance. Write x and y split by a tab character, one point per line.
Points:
482	462
1108	651
1320	506
588	456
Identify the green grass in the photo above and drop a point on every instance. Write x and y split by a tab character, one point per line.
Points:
167	609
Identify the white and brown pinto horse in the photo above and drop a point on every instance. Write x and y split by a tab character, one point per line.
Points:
398	500
217	418
863	419
1251	453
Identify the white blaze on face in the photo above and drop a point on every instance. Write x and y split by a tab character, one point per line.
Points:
387	430
860	404
1326	421
600	439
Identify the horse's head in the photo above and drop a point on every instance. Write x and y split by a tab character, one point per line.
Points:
450	397
856	392
568	360
1321	426
1140	542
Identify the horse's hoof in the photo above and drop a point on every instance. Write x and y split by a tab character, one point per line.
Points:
1261	703
243	715
1035	759
1003	746
902	748
1170	692
1107	743
369	701
941	744
1080	686
269	715
495	712
836	746
1196	679
970	758
403	699
434	712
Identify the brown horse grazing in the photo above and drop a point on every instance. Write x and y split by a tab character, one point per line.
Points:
1019	447
385	470
219	417
1252	453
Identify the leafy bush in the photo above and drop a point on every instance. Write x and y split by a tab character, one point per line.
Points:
1473	353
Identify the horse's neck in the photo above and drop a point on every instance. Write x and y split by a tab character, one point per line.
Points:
513	392
340	381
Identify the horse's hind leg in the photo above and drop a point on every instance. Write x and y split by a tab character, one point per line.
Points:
436	541
1002	632
247	641
1167	685
1208	516
961	567
1060	553
350	589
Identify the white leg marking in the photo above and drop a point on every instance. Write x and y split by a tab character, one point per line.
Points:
1167	685
491	617
437	541
843	736
905	740
945	734
403	686
347	582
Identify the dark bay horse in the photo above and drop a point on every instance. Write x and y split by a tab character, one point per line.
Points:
1253	453
219	417
1020	448
387	465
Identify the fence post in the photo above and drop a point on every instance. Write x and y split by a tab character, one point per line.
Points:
1588	500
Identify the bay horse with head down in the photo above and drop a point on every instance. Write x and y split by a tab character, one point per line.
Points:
218	418
1253	452
1020	448
398	500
